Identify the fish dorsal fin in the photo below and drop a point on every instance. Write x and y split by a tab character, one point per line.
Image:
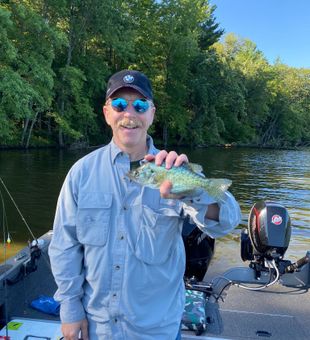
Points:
197	168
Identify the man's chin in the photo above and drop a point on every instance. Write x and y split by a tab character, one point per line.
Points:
131	142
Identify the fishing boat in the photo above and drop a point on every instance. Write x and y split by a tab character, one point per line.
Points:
268	297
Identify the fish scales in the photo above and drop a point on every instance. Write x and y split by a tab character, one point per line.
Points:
186	179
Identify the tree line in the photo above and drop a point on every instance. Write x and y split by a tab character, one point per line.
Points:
57	55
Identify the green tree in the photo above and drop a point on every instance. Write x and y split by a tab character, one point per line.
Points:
26	78
247	98
94	31
289	122
56	56
7	55
171	32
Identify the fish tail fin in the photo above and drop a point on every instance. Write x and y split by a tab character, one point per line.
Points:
216	187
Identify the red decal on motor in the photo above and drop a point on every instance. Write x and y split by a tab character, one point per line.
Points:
276	219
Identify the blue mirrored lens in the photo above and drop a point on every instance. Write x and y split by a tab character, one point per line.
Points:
141	105
119	104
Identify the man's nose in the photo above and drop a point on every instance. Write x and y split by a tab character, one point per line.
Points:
129	110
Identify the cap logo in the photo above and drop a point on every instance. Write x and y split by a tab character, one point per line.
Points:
128	79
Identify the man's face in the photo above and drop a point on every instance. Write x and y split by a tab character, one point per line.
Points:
129	127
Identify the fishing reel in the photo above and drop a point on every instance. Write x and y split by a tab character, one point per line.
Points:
267	238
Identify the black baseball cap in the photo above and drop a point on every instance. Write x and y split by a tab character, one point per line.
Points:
127	78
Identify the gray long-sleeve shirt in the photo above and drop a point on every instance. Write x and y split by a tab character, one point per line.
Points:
117	253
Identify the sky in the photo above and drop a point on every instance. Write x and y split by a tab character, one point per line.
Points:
279	28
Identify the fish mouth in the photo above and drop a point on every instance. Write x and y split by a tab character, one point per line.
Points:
130	124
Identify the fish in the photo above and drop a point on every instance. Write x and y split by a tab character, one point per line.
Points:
187	179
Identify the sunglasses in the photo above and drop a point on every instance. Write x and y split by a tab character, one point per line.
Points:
140	105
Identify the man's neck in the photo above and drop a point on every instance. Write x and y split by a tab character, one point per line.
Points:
135	154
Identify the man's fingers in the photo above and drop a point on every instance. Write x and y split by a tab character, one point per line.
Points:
181	159
165	189
149	157
170	159
160	157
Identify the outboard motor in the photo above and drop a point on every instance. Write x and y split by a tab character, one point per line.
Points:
265	242
268	234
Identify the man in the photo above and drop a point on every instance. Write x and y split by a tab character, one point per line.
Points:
117	253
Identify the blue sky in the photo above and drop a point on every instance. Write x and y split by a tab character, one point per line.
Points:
279	28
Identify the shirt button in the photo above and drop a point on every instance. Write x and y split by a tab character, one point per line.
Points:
124	207
117	267
121	237
115	320
88	218
114	295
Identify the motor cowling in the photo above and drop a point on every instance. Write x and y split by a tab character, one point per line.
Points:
269	228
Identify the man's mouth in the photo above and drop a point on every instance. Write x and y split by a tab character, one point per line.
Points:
129	124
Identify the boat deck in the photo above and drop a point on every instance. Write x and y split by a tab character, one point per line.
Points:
278	312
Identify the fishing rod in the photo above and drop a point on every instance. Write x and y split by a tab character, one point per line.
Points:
19	212
35	252
4	224
29	266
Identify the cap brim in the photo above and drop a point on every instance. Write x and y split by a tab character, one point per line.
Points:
133	87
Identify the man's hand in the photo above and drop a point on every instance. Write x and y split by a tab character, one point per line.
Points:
170	159
71	331
173	159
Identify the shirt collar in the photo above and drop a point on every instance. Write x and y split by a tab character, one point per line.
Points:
116	151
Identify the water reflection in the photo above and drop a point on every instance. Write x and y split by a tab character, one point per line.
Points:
34	179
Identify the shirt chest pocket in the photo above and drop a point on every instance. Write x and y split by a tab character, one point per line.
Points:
159	232
93	218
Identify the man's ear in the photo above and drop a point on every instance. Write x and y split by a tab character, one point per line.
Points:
153	113
106	114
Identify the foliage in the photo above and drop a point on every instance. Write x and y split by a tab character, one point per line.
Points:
56	57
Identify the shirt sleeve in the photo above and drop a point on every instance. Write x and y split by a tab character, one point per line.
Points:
66	256
229	215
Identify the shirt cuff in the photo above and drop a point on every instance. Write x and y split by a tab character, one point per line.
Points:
197	207
72	311
229	214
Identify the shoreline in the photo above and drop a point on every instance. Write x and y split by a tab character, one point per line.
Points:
218	145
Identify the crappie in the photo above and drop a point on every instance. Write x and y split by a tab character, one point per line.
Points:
186	180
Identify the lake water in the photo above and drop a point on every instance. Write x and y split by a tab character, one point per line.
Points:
34	179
